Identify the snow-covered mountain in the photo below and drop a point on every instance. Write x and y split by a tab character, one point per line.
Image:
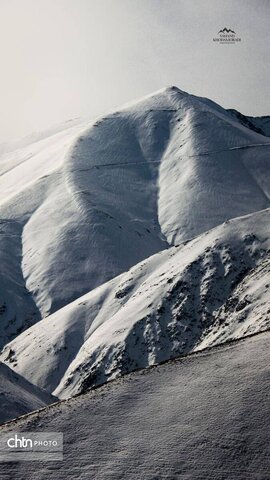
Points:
18	396
203	292
114	254
88	202
203	417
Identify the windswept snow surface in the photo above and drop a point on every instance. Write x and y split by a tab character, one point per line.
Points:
211	289
18	396
203	417
88	202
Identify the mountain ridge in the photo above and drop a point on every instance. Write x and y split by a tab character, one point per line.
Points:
169	304
97	200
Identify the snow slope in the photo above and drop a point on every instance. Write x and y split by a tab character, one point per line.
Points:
203	292
18	396
88	202
263	123
203	417
257	124
26	175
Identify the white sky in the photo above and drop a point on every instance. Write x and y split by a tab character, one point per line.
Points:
66	58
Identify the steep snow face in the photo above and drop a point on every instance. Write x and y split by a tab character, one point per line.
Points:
18	396
89	202
204	292
246	310
201	417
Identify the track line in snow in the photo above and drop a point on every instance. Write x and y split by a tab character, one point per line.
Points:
122	164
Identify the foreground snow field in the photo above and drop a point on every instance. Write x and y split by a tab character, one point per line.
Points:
203	417
19	396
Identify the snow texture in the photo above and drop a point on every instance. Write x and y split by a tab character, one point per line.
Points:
203	417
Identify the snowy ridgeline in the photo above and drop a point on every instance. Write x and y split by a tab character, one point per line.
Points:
207	291
86	203
205	417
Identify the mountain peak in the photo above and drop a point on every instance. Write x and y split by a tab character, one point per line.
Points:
170	89
102	198
173	88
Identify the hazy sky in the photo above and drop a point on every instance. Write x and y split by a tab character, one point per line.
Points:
66	58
